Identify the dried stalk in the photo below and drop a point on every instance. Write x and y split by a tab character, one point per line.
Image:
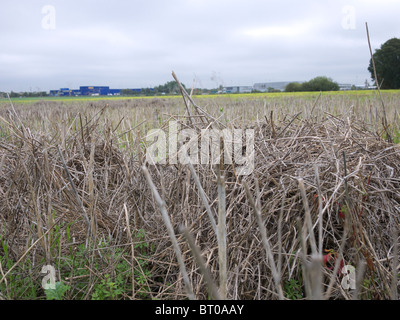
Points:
128	230
223	268
360	270
266	243
27	251
395	262
170	230
308	221
385	123
212	288
75	192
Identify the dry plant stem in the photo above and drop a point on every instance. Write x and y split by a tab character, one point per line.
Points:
288	125
338	259
265	242
395	262
212	288
91	191
308	221
36	210
303	253
202	195
219	230
312	270
360	270
347	227
27	251
128	230
222	236
280	237
131	129
199	110
85	216
170	230
183	96
320	231
315	275
385	123
24	131
346	187
315	103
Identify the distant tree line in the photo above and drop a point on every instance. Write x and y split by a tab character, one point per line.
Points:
24	94
169	88
316	84
142	92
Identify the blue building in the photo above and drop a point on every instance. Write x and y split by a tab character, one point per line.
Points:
114	92
94	90
64	92
90	91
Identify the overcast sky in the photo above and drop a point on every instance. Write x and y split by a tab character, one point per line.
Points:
131	44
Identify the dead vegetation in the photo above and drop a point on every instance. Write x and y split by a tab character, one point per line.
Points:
325	188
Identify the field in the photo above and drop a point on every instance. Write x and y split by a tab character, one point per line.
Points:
78	196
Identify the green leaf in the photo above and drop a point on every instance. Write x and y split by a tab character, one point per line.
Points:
58	292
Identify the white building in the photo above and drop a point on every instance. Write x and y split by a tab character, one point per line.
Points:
238	89
345	86
265	86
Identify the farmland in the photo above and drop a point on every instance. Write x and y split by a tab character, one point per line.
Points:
77	195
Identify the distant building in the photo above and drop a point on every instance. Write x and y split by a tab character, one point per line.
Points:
266	86
230	90
345	86
90	91
238	89
364	87
94	90
114	92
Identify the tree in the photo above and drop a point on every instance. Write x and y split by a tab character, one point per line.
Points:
387	64
127	92
27	94
271	90
171	87
320	84
316	84
147	91
293	87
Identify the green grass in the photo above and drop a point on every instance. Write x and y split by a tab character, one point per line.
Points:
76	268
293	289
20	283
